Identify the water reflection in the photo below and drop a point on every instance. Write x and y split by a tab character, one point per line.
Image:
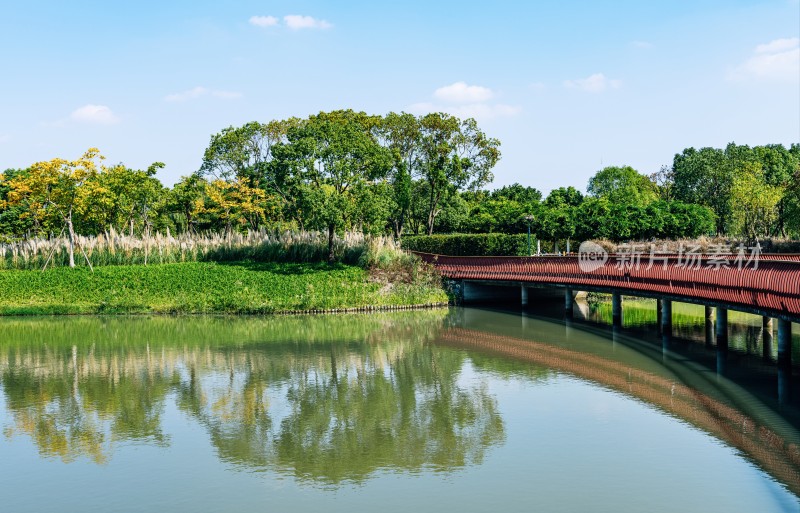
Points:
747	333
328	400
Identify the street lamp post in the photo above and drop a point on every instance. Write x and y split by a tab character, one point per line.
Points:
529	219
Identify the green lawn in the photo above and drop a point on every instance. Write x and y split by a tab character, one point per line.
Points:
201	287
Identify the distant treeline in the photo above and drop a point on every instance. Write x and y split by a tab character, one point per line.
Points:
400	174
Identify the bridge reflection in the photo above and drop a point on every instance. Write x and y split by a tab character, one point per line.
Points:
753	433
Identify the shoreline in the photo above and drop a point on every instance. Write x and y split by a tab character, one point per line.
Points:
205	288
277	313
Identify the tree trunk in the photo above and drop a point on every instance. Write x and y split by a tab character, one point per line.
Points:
431	210
71	237
395	229
331	233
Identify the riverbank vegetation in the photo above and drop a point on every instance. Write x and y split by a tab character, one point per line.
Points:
252	273
209	287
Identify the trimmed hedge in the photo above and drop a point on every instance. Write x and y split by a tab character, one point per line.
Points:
478	244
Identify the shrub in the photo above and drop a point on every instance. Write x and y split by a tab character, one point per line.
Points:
480	244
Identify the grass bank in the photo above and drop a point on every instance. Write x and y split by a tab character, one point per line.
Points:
208	287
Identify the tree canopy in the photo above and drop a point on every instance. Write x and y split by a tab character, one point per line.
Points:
399	174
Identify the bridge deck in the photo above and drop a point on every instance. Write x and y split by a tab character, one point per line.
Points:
770	287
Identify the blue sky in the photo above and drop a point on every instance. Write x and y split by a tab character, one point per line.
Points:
567	86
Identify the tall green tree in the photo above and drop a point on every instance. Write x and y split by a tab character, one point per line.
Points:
622	185
454	155
705	177
183	198
401	133
332	156
754	202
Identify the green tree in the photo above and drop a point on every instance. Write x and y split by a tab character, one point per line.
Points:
333	155
243	152
183	198
705	177
564	196
122	197
591	217
454	155
622	185
754	202
401	134
519	193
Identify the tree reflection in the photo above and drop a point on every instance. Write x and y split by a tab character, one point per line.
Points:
341	412
75	407
317	403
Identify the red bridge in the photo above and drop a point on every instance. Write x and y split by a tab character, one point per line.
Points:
767	286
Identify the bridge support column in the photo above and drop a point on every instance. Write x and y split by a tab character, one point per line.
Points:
666	317
722	327
722	340
616	309
659	314
784	343
568	303
524	294
709	316
766	338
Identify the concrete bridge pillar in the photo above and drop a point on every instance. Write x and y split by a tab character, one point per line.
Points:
766	338
568	303
722	327
616	309
524	294
784	343
666	318
722	340
709	316
659	314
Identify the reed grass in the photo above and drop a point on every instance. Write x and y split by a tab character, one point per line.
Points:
114	248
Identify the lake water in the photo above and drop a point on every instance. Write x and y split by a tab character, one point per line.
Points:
440	410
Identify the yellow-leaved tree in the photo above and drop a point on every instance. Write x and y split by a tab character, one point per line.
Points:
54	189
234	203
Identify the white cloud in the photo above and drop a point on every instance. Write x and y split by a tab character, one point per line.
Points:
596	83
779	45
191	94
297	22
777	60
199	92
226	95
644	45
97	114
465	101
460	92
481	111
4	138
263	21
